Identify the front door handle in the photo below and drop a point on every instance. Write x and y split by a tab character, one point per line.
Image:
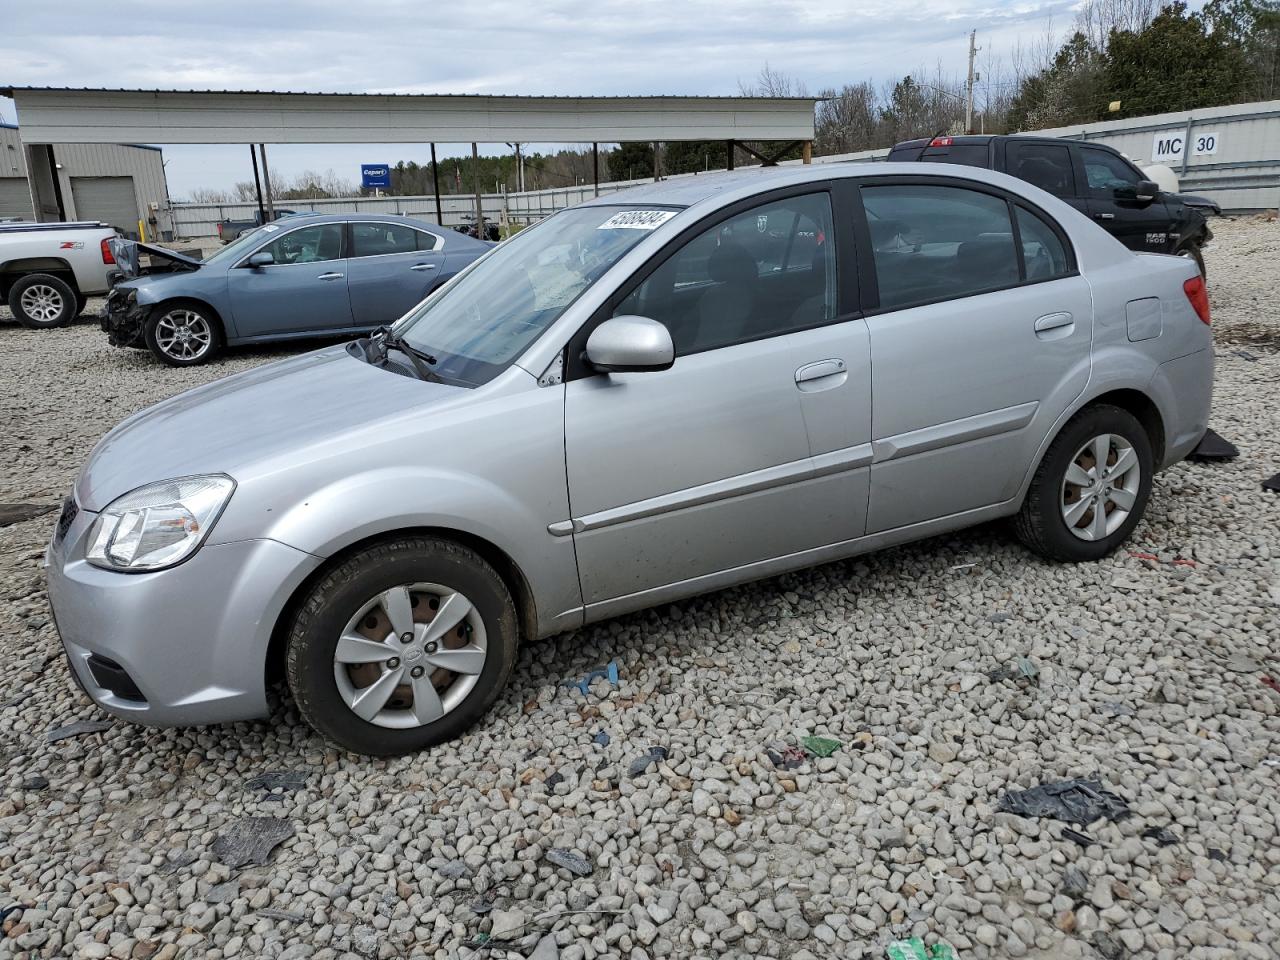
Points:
819	369
1064	323
423	266
331	276
1104	216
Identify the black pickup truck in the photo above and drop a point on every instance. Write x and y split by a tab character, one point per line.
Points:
1097	180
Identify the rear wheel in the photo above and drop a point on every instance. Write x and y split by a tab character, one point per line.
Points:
183	334
42	301
1091	489
402	646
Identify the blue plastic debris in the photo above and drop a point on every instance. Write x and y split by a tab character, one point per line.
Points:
609	672
602	738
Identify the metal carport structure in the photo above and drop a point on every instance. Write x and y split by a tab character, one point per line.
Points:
55	115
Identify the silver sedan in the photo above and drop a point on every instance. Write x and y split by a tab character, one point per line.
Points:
659	393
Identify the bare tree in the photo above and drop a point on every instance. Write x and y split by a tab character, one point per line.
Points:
773	83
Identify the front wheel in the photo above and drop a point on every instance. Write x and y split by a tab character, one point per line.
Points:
402	646
183	334
1090	489
42	301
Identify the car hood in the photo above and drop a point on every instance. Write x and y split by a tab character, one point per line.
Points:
270	414
126	252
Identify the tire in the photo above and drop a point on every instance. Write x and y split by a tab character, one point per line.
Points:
42	301
1043	525
348	599
169	322
1192	251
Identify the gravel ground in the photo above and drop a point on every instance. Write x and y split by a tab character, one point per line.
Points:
1149	681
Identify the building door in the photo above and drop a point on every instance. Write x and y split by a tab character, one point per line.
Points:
110	199
15	198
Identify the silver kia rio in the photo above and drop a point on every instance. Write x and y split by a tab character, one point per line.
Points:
652	395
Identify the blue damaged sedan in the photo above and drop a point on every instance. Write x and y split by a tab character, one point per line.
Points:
310	275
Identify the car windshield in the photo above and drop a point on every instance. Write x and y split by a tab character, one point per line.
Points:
239	245
479	324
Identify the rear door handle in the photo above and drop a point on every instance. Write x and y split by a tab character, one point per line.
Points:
331	276
819	369
1054	321
1104	216
423	266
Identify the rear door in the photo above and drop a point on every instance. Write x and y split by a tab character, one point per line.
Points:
390	268
1112	182
980	332
303	291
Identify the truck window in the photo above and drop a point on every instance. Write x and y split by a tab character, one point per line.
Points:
1047	166
967	154
1109	175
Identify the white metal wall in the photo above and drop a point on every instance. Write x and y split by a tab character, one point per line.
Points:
144	164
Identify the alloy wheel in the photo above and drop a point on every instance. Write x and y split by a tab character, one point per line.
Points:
1100	487
42	303
184	335
410	655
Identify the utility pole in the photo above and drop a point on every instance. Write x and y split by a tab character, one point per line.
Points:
266	182
475	161
968	110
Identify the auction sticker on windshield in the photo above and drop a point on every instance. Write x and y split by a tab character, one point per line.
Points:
637	220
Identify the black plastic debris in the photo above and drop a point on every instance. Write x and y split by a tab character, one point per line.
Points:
1246	355
1272	484
178	860
287	781
482	906
787	758
573	862
77	729
1074	883
251	840
1213	447
1075	801
455	870
646	760
555	778
15	908
1075	836
1163	836
35	783
1216	854
1107	946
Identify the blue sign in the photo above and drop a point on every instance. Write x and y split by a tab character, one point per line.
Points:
375	175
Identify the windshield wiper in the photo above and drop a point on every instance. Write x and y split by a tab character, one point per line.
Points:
417	358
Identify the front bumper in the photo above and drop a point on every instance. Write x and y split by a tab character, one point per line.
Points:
123	320
191	640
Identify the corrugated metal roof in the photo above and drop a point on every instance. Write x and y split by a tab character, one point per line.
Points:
8	91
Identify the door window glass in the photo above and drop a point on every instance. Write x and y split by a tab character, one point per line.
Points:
761	273
307	245
936	243
427	241
1109	174
1042	250
378	239
1045	165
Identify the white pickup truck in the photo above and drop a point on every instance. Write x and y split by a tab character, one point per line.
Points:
48	270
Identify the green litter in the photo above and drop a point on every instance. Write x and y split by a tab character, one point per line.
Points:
820	746
914	949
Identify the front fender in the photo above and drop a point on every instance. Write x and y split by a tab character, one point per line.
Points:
351	509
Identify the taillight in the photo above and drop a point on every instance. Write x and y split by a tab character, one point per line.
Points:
940	142
1198	294
107	256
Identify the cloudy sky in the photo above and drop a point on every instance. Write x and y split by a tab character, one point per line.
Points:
498	46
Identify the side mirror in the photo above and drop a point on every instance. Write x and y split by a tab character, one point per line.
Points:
1146	190
630	344
261	259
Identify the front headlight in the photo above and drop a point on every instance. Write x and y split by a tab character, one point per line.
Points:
158	525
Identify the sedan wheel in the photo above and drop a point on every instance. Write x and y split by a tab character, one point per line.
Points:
1100	487
1090	490
183	335
402	645
410	655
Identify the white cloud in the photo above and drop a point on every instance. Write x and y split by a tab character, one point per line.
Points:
502	46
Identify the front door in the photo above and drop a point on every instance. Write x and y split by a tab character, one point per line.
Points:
754	445
390	268
1141	225
304	289
976	350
